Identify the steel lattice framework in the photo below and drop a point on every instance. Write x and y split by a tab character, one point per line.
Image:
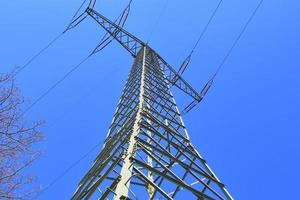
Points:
147	153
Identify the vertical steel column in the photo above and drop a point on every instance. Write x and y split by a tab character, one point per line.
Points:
126	171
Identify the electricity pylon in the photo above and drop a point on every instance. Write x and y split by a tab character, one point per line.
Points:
147	153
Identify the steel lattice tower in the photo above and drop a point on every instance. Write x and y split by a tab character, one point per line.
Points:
147	153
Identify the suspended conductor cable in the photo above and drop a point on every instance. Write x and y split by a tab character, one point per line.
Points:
41	97
158	19
238	38
33	58
73	165
77	19
55	180
61	79
210	82
39	53
48	45
187	60
20	69
207	25
77	11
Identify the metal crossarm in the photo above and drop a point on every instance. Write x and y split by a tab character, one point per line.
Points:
127	40
132	44
175	79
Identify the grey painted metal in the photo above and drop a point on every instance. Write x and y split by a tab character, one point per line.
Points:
147	153
131	43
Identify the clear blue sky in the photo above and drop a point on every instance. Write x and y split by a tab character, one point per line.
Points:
247	128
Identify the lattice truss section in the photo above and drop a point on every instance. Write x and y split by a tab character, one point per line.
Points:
130	43
147	153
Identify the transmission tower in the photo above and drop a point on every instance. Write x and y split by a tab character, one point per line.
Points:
147	153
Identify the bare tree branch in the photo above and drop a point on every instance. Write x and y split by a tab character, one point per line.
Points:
17	140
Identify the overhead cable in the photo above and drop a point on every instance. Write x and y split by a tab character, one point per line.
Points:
39	53
41	97
60	176
187	60
210	82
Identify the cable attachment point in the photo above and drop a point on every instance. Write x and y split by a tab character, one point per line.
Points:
78	18
183	67
201	95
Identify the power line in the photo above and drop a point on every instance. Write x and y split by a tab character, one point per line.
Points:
158	19
81	100
73	165
187	60
123	14
77	11
210	82
238	38
207	25
33	58
39	53
77	66
54	181
54	85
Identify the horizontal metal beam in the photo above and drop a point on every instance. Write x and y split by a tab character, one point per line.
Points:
145	178
175	180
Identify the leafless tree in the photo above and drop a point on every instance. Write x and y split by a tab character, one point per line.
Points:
17	142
